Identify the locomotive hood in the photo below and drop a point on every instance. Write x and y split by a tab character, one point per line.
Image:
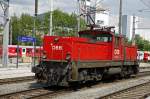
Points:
57	48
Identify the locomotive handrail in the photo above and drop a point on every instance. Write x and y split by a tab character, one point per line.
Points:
78	63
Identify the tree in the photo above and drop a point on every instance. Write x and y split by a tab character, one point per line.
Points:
15	28
64	24
143	45
26	22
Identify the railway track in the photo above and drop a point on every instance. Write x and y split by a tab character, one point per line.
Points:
41	93
145	73
141	91
16	80
31	78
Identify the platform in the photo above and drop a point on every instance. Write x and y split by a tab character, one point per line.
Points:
145	64
22	71
14	65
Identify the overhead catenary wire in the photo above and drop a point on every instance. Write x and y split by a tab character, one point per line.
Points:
146	4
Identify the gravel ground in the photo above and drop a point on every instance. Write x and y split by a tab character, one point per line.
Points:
145	70
9	88
96	92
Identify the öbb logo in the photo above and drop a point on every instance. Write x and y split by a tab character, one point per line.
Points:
57	47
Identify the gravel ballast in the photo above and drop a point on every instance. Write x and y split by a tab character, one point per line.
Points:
97	92
11	88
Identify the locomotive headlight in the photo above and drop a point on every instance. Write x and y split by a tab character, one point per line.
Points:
68	56
44	56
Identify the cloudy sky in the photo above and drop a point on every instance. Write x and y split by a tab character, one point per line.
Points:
27	6
129	6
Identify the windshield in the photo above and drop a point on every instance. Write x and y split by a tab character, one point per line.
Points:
98	37
103	37
86	35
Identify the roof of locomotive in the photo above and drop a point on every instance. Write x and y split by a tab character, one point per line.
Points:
100	31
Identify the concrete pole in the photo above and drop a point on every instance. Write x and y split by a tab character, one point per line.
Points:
6	34
78	7
51	19
10	28
120	17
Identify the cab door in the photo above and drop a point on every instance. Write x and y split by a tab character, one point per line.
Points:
117	48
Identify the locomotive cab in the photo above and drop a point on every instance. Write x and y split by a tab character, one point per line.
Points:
107	36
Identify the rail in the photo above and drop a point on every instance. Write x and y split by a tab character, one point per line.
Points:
16	80
137	92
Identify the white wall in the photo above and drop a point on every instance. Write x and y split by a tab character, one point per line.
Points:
88	3
102	19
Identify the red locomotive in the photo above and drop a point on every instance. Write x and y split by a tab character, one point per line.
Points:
92	55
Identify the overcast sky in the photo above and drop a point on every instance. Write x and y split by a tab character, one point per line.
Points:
129	6
27	6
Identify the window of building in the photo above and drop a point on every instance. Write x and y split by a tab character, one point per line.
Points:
100	22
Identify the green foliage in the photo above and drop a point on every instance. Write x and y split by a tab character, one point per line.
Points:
143	45
15	28
64	24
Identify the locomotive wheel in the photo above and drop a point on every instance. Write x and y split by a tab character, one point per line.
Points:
123	73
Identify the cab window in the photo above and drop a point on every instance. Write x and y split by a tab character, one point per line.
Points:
98	37
86	35
103	38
